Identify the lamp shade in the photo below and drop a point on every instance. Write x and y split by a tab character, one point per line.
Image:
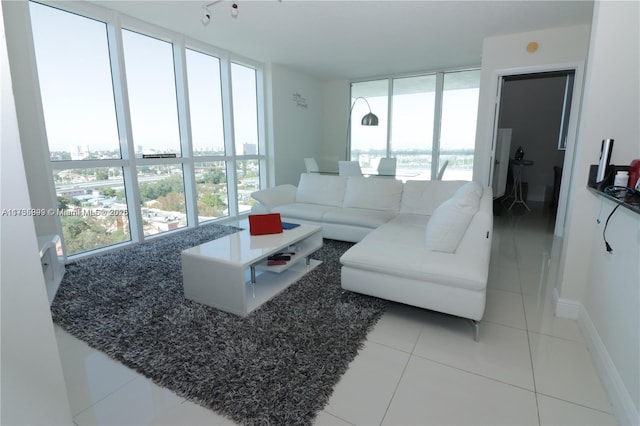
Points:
370	120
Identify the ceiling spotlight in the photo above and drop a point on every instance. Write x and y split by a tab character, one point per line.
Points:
234	10
206	16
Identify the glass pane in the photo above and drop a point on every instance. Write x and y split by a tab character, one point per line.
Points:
412	125
162	198
245	109
92	208
152	94
211	188
458	127
205	103
369	143
74	72
248	173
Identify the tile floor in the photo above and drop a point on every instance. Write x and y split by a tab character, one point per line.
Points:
417	367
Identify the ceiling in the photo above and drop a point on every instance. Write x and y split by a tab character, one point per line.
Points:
360	38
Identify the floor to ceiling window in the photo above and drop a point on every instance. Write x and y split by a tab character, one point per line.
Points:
425	121
140	130
458	123
208	135
246	133
80	117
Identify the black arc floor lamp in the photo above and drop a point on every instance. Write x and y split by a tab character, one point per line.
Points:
369	119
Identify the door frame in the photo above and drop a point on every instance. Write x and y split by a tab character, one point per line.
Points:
572	127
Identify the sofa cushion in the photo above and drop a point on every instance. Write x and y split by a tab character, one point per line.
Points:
397	250
366	218
472	191
373	193
321	189
304	211
269	198
450	220
424	196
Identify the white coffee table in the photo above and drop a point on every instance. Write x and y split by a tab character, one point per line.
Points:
231	273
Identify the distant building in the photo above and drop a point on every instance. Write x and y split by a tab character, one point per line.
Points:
79	152
71	193
250	149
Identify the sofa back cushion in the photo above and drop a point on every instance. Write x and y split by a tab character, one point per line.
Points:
450	220
374	193
424	196
272	197
315	188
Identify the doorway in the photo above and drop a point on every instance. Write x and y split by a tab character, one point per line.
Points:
533	120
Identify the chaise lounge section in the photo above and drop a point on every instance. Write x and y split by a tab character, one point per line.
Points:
422	243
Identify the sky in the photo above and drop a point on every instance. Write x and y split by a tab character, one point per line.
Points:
413	121
74	70
78	96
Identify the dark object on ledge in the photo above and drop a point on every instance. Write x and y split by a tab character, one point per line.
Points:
608	177
630	201
519	155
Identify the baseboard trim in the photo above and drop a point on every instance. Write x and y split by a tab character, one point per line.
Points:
566	308
623	406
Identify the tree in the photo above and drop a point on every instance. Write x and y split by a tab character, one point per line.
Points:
63	203
84	233
153	191
214	176
173	202
102	174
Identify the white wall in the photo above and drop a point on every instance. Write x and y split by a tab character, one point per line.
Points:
337	95
296	130
605	286
508	54
33	391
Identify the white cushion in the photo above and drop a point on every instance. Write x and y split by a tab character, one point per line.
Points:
367	218
321	189
450	220
372	193
271	197
472	191
303	211
424	196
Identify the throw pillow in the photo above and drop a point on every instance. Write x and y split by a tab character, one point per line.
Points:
450	220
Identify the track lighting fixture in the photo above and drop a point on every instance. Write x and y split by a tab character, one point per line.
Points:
206	16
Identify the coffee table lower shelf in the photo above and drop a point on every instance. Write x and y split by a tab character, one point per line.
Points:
270	284
231	273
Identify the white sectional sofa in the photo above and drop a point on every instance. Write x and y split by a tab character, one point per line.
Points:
422	243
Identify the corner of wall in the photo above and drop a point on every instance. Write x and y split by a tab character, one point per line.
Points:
336	115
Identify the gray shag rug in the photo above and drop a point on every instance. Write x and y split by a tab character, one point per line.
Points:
277	366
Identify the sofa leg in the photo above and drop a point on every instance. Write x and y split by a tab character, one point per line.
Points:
476	330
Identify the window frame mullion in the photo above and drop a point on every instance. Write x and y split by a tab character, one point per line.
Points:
437	126
389	114
184	128
123	114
